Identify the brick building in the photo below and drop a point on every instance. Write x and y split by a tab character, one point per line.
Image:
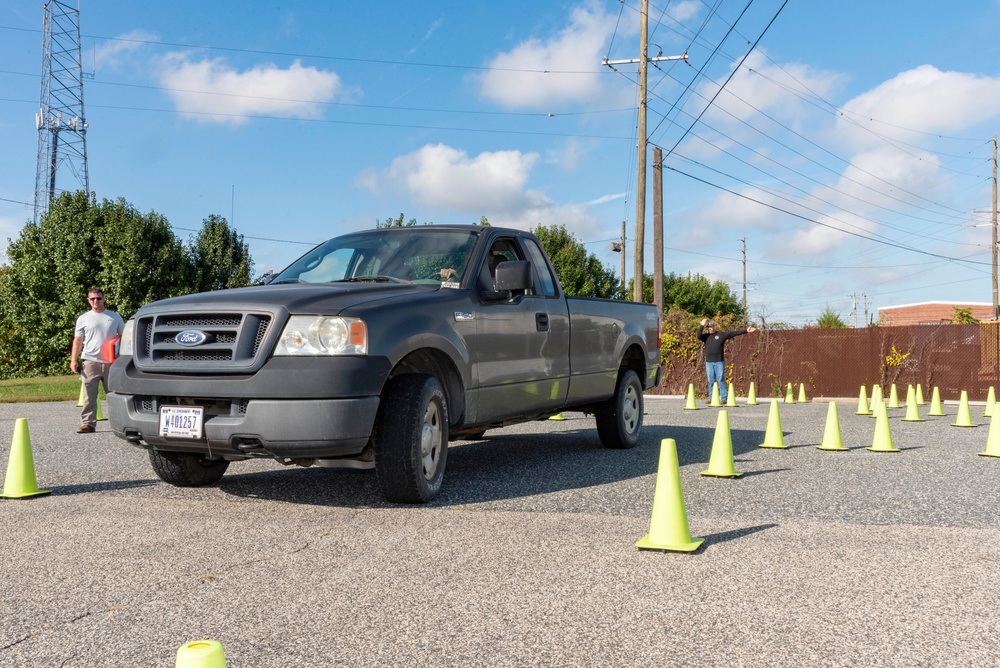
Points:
931	313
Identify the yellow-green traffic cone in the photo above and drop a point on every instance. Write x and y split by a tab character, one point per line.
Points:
920	395
876	398
863	403
831	434
893	397
716	398
20	482
731	396
774	437
557	416
909	393
201	654
100	415
882	440
690	405
720	463
802	393
789	399
991	400
936	409
912	413
668	524
752	395
993	439
964	418
83	395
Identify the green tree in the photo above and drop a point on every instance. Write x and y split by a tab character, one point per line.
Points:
395	222
830	319
694	294
962	316
580	273
75	245
140	258
220	256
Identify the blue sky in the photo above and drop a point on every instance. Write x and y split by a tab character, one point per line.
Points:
851	146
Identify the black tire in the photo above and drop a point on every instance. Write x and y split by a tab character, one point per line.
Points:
184	469
411	439
619	419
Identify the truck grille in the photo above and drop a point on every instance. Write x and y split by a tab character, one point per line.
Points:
231	342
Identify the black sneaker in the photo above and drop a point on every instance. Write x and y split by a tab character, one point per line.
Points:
85	429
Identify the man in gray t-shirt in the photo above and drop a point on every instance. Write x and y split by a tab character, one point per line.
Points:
95	346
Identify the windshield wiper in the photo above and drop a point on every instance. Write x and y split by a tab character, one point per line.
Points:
285	280
376	278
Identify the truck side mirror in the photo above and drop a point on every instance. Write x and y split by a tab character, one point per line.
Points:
513	275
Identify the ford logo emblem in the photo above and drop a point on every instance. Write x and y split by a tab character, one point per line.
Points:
191	337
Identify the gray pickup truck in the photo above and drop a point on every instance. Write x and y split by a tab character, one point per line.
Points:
373	350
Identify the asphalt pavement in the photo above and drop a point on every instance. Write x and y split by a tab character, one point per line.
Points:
528	558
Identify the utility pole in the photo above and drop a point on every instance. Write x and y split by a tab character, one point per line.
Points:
619	247
640	199
658	228
744	240
60	121
996	306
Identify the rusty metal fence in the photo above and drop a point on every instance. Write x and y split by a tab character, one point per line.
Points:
837	362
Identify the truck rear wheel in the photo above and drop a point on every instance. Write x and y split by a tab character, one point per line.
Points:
411	439
619	419
183	469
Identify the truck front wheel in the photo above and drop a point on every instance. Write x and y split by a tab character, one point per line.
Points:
183	469
619	419
411	439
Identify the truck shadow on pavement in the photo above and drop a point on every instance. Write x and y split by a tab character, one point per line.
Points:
499	467
110	486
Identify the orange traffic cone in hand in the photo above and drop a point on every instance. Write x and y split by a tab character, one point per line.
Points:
668	525
20	482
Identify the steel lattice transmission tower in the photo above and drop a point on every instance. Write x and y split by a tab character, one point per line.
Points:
61	123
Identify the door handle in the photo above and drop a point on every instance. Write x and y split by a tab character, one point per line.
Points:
542	322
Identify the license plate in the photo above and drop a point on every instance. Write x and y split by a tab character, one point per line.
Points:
181	421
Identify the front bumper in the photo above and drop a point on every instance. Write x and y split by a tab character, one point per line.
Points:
322	428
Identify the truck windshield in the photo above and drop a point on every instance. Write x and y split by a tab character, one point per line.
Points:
412	255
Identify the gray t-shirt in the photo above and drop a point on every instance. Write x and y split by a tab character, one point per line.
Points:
96	329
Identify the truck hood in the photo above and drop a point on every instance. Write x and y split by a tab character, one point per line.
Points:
326	298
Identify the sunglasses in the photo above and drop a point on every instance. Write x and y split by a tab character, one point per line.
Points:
94	299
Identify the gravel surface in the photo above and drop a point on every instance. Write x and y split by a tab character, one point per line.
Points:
528	558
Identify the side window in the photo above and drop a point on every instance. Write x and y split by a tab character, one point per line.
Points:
501	251
546	283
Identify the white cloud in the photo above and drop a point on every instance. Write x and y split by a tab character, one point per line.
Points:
760	86
113	53
444	177
577	48
494	184
212	91
923	99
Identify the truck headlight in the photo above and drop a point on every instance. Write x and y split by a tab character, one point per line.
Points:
125	346
322	335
